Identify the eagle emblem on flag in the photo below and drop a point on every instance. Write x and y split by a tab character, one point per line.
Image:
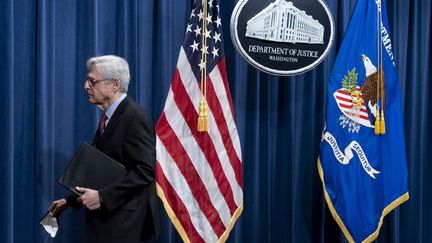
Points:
358	103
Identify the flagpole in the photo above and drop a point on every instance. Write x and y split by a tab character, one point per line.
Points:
381	76
379	120
202	125
377	109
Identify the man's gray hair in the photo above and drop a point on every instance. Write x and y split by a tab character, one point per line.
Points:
112	67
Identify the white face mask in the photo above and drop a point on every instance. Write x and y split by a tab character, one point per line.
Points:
50	224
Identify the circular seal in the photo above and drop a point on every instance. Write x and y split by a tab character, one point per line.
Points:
282	37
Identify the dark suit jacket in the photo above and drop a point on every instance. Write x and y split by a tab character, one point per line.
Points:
129	212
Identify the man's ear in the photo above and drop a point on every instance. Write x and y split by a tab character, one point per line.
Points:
116	84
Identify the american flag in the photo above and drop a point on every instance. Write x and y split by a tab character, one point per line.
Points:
199	174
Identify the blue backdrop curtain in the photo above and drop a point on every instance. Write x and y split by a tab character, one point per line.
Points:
45	115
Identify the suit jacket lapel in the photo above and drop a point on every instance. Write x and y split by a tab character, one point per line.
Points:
113	121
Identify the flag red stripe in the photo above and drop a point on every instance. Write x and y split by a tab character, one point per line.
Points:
343	98
349	107
346	92
186	167
343	92
221	66
345	106
216	109
177	206
204	141
348	100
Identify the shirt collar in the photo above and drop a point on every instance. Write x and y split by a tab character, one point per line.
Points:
110	111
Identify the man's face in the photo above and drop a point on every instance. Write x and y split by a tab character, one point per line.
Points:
99	91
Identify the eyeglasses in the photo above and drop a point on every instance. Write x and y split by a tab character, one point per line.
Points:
93	82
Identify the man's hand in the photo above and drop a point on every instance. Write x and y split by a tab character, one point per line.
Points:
89	198
58	206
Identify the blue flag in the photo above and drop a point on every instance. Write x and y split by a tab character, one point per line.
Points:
362	162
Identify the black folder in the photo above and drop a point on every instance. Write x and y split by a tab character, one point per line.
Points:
90	168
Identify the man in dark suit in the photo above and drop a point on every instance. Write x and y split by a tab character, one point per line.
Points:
124	211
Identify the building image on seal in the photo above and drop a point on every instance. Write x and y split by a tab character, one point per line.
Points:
281	21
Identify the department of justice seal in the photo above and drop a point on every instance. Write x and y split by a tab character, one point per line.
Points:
282	37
